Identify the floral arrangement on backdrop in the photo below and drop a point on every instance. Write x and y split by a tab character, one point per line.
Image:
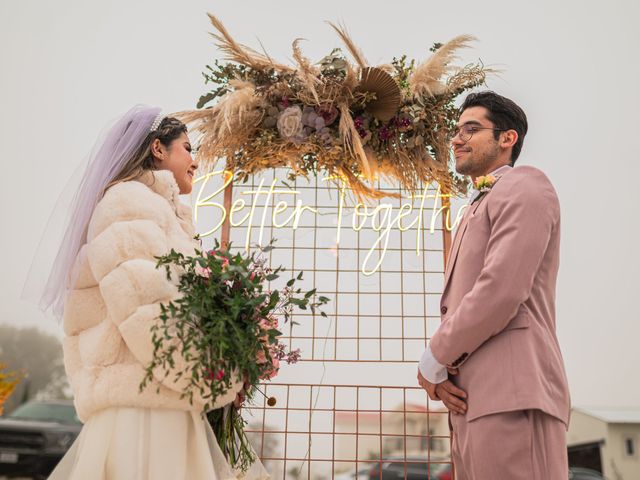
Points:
226	325
350	120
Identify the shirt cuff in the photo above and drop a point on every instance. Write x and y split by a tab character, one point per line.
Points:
430	369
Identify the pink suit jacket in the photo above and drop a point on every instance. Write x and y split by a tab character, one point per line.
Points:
498	303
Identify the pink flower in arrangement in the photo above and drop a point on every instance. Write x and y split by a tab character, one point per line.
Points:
252	276
279	351
217	375
268	323
293	356
360	126
218	254
203	272
384	134
273	364
403	123
273	371
329	113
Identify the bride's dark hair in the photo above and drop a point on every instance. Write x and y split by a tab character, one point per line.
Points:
142	159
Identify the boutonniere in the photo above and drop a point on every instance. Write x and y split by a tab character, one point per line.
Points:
484	183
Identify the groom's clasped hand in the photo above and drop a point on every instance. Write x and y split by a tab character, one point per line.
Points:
454	398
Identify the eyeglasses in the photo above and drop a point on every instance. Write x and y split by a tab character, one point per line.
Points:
465	132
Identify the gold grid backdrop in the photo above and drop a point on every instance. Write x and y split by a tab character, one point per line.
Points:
351	404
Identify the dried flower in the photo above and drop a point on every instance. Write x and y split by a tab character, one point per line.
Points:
329	113
362	127
326	137
384	134
403	123
290	124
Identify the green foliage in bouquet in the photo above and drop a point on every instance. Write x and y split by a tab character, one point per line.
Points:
222	328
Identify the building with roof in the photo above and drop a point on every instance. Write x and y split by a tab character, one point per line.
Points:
605	440
411	431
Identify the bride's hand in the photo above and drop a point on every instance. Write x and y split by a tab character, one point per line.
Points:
242	394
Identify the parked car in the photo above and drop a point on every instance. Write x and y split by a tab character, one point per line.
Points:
577	473
445	472
360	474
417	470
35	436
411	468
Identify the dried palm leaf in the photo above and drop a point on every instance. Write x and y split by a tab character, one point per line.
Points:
352	142
426	78
350	82
388	98
361	191
307	73
242	54
356	53
467	77
226	125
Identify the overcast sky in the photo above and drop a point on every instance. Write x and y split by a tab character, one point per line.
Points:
69	66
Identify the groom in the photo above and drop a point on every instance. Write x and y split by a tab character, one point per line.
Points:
495	361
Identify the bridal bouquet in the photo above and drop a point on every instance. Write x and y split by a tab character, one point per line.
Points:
225	325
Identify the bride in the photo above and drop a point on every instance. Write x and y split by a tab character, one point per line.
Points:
105	285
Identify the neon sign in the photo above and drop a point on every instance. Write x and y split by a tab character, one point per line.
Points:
383	218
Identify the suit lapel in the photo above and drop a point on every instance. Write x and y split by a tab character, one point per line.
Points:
457	241
455	247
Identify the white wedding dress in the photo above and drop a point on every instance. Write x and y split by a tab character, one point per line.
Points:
123	443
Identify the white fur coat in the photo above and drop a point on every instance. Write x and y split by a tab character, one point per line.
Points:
117	297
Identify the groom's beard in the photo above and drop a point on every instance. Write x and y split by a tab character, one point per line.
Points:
476	164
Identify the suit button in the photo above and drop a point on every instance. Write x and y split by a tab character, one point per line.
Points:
443	310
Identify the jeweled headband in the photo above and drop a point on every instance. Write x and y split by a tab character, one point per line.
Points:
156	123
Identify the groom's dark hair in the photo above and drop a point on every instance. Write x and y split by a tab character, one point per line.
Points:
503	113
